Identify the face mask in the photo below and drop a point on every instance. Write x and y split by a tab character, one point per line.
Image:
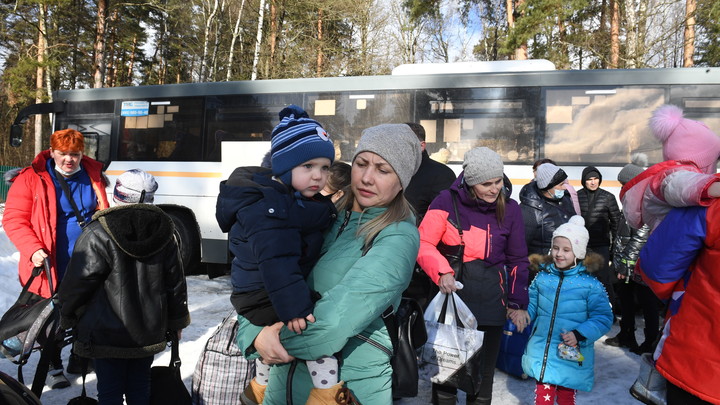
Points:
559	194
67	174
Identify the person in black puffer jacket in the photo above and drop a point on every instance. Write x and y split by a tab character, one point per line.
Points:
545	206
124	290
600	210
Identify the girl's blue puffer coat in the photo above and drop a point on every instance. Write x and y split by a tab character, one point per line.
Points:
562	301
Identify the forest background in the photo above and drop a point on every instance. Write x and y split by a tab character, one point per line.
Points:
46	45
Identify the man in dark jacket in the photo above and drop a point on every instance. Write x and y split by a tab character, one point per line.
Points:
124	290
431	178
600	210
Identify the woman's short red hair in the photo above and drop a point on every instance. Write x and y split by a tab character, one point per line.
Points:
67	140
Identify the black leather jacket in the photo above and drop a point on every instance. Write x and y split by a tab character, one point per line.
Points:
124	287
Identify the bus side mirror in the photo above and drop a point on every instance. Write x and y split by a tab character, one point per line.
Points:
16	133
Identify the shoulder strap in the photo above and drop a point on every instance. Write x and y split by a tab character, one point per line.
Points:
388	315
457	225
174	351
68	194
391	325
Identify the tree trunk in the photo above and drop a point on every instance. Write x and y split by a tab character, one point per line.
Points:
562	44
631	27
216	44
319	69
235	36
274	23
99	48
258	40
602	30
111	68
512	5
689	36
131	62
614	34
206	41
40	73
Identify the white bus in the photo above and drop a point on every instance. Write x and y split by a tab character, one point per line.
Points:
191	136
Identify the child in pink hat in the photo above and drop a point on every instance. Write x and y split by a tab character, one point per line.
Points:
687	177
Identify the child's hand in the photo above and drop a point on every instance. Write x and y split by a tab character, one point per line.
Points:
569	338
298	325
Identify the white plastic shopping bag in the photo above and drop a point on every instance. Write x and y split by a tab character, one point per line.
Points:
450	343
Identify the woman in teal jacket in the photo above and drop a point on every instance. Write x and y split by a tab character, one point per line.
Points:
367	261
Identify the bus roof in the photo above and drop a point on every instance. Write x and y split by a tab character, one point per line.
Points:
474	67
559	78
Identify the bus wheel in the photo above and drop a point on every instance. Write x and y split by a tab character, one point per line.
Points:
189	240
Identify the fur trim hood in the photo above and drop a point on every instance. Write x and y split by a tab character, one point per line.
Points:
593	262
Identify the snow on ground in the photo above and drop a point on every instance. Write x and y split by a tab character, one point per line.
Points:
615	369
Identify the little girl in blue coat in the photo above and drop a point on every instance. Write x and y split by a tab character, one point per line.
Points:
570	310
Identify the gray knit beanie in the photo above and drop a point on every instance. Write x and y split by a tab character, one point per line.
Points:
632	169
397	144
548	176
481	164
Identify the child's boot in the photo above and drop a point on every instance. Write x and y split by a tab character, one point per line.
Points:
337	394
254	393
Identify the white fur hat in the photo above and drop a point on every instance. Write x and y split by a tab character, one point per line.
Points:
574	230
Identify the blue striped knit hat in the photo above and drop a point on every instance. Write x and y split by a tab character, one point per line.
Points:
295	140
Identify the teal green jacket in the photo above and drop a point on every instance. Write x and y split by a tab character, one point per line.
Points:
355	291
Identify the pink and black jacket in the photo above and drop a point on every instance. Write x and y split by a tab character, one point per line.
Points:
496	265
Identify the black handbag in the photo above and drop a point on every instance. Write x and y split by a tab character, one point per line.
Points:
27	309
166	384
407	334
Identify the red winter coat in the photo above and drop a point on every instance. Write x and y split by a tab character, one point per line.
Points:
30	217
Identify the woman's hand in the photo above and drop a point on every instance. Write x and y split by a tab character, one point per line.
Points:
447	283
267	343
519	317
38	257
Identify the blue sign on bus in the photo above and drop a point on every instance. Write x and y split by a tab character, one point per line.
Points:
135	108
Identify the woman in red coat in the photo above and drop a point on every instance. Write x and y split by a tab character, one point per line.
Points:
40	220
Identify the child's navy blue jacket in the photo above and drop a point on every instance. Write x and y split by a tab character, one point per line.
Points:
275	236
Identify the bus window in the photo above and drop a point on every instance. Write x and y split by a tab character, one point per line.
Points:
170	131
344	115
601	126
244	117
503	119
97	146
